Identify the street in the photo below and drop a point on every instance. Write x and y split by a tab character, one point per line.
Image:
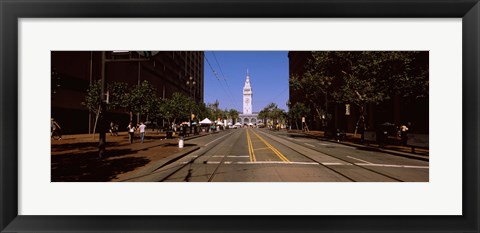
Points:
263	155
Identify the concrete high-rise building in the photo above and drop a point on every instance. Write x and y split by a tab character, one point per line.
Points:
74	71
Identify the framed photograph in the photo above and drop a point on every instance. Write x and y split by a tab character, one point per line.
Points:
386	84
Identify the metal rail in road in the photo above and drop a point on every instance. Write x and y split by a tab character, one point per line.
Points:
180	169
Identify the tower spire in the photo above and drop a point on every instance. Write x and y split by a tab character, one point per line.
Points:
247	96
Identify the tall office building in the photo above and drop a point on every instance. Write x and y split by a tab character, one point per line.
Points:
74	71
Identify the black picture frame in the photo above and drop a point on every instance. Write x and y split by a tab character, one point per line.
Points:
11	11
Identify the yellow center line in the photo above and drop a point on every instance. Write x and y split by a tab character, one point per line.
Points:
278	153
251	152
263	148
248	143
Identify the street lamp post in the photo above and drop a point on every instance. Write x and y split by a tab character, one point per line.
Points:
103	109
327	82
191	83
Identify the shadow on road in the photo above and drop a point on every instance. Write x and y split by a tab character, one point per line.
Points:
80	145
88	167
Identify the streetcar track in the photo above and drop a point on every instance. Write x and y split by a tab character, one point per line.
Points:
339	158
212	176
216	168
182	165
218	164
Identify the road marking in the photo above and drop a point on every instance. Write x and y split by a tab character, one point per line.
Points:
359	160
251	151
263	162
219	138
278	153
391	165
337	164
278	162
263	148
231	156
309	144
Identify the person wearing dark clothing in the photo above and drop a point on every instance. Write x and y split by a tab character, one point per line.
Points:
55	130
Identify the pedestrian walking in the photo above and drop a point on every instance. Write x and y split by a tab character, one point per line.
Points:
183	129
142	131
115	129
112	128
403	134
55	130
131	132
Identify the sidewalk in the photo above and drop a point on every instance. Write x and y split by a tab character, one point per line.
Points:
75	157
354	140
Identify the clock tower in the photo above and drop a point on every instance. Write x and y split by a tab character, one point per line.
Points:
247	96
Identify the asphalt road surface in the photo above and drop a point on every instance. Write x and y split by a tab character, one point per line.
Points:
262	155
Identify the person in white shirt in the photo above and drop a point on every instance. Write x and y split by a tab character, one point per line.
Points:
131	132
403	134
142	131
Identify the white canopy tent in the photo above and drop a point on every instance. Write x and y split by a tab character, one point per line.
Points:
206	121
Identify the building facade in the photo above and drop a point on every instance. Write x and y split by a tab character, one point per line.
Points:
247	117
73	72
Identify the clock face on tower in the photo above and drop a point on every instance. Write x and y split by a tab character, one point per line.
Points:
247	100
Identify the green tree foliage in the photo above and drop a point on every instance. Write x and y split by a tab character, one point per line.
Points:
362	77
118	95
297	111
273	113
178	107
263	114
143	99
215	109
92	98
203	112
373	77
223	114
233	114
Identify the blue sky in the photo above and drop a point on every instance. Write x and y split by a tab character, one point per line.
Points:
268	76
